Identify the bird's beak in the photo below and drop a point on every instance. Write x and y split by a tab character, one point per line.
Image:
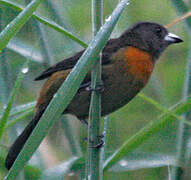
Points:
172	38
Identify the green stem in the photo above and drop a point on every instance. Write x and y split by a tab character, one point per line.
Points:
93	162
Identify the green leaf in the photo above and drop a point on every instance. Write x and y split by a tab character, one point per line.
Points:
146	132
13	27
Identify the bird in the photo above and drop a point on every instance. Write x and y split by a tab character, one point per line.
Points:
127	64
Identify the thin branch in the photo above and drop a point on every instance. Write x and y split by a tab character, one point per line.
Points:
179	19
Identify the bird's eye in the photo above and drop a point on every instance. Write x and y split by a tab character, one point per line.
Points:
158	30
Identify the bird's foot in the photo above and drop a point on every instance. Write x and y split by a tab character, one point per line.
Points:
100	144
99	88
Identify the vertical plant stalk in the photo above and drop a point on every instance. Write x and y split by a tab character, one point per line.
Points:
93	161
183	130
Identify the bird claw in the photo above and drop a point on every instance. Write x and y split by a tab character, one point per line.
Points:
100	144
99	88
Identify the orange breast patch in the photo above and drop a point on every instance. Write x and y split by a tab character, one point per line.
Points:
140	63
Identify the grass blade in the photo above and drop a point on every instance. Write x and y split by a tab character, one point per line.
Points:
7	110
13	27
161	108
21	109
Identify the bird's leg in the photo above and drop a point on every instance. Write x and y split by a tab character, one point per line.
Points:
100	144
101	141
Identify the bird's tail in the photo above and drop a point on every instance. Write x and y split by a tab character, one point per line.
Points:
17	146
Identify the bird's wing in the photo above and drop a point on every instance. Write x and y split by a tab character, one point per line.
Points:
62	65
70	62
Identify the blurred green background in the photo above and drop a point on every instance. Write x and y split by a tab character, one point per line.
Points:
44	46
